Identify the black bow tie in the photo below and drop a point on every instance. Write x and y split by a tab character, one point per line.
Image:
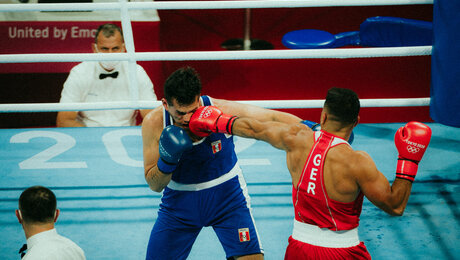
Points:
105	75
23	249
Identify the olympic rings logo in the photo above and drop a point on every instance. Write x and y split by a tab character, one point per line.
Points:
412	149
206	112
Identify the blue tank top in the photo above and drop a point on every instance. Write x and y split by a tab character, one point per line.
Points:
209	158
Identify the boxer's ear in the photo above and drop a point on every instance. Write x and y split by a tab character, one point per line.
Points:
94	47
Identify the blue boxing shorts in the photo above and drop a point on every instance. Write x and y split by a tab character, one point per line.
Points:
183	213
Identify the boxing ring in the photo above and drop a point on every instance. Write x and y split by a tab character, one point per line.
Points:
108	209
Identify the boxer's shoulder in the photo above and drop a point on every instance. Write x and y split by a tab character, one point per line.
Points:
154	119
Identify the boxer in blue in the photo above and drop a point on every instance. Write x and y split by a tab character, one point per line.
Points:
201	180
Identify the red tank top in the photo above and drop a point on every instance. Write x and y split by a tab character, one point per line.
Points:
312	205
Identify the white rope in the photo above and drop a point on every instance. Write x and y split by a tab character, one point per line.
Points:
342	53
204	5
272	104
208	55
129	45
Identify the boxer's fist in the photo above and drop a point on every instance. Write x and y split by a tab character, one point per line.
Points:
173	142
316	127
209	119
411	141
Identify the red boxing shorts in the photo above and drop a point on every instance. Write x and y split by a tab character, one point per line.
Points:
300	250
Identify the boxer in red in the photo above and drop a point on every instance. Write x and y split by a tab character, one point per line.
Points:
329	178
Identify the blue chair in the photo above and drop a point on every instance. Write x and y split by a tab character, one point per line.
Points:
379	31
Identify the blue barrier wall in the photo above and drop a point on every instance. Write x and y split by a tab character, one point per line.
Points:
445	63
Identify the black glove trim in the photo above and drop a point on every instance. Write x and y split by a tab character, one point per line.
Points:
398	177
405	159
230	123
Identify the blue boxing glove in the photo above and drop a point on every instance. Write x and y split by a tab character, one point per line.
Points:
316	127
173	142
313	125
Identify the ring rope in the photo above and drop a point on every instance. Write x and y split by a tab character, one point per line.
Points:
271	104
129	44
203	5
343	53
131	56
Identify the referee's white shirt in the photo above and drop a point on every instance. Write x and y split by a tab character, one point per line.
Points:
83	85
50	245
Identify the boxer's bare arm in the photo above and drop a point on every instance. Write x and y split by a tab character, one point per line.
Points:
262	114
151	131
271	132
288	137
376	187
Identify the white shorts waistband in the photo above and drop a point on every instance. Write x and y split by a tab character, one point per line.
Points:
324	237
206	185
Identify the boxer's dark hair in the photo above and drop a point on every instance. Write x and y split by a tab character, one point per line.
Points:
108	30
343	105
183	85
37	205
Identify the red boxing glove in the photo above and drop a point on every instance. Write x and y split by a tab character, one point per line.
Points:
411	141
210	119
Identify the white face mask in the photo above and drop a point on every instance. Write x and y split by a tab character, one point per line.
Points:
109	65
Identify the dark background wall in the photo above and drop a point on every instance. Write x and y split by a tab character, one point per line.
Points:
30	88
